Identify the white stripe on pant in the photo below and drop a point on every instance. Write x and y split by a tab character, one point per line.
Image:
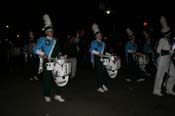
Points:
73	62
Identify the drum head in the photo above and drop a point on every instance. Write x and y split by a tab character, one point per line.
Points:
112	69
112	73
61	81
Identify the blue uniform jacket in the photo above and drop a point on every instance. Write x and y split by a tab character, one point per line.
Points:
46	45
98	46
129	47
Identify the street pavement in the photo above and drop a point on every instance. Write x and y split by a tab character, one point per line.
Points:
22	97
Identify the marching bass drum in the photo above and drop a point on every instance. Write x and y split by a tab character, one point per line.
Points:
105	60
61	72
142	61
111	65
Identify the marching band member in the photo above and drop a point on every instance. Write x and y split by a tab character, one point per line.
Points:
130	54
164	63
96	50
147	47
31	59
148	51
50	49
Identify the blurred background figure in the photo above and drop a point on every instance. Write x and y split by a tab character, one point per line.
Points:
134	71
71	48
31	59
150	68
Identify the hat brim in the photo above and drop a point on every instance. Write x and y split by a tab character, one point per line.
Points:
97	33
49	28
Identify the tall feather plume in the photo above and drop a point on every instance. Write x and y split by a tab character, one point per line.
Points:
165	27
129	32
95	28
47	20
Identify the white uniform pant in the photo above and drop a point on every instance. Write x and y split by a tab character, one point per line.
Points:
163	63
171	80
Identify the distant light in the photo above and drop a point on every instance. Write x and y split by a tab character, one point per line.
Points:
145	24
7	26
17	36
108	11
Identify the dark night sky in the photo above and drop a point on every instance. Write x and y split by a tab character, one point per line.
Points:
66	14
29	13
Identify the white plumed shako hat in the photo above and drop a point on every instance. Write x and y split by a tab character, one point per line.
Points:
165	27
47	23
129	32
95	29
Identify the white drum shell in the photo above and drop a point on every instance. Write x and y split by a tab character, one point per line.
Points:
105	61
40	70
60	61
62	69
118	63
142	60
61	73
50	66
112	64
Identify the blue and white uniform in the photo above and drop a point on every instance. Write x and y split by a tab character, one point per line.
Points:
45	45
130	48
96	47
50	47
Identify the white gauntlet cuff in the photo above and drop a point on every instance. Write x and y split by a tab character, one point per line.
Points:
95	52
39	52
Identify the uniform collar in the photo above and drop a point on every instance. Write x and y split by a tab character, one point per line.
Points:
99	40
49	37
